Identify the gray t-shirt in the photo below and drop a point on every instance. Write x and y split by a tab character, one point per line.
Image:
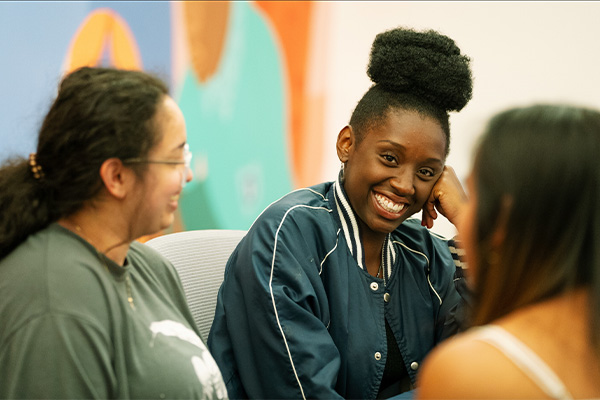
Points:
67	329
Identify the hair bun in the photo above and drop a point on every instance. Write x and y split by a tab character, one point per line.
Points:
425	64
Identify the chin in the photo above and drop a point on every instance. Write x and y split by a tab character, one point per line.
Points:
154	229
384	227
391	225
167	222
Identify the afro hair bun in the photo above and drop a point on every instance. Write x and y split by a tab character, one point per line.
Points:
425	64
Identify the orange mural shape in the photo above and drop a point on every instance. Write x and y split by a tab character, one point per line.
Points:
104	31
291	21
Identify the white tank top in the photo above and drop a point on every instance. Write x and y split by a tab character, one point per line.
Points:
524	358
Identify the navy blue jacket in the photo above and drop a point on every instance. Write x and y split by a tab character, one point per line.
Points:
298	316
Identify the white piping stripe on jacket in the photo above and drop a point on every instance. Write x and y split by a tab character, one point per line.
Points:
273	295
315	192
293	191
457	252
427	259
437	235
330	251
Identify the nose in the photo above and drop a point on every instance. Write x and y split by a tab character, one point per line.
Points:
404	182
188	174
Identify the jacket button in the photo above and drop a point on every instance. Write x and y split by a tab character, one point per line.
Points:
378	356
386	297
374	286
414	365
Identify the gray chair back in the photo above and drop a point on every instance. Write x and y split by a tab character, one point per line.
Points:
199	256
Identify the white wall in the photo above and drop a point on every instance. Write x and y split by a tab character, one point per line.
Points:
521	52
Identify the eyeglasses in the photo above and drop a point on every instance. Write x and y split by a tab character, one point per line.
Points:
187	162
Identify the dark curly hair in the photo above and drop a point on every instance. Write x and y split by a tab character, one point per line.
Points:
99	113
411	70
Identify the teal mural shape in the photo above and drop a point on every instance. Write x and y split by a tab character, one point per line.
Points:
237	129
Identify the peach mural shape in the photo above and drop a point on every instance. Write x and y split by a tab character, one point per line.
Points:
206	24
104	32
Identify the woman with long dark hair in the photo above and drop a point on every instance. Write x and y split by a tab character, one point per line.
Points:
531	233
85	310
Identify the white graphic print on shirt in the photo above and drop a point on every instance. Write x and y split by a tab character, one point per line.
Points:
205	367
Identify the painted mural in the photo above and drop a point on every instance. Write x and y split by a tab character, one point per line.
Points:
237	70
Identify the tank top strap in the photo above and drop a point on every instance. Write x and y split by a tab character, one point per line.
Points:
524	358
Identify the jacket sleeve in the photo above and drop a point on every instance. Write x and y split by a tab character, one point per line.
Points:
460	283
57	356
448	278
270	334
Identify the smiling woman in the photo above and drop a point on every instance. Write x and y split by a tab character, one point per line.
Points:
390	172
333	292
169	170
106	316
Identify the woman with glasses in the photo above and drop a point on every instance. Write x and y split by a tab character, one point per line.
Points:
85	310
334	292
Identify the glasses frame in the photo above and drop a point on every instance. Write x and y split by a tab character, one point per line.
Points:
187	161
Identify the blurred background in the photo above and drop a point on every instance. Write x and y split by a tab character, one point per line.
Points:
265	86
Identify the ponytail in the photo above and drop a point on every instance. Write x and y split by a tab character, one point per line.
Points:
24	204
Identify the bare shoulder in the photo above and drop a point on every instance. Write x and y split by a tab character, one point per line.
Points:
466	368
451	369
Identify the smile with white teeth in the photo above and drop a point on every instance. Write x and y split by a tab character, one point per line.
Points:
389	205
175	198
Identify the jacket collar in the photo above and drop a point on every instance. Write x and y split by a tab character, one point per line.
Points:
351	230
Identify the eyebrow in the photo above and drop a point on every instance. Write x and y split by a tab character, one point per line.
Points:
395	144
398	145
